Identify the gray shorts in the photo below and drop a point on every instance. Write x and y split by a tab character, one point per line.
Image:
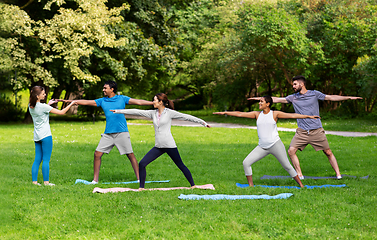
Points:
316	138
121	140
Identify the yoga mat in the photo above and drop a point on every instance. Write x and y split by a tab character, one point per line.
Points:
291	187
232	197
310	177
90	183
106	190
163	181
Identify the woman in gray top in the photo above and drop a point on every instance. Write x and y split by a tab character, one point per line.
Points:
162	117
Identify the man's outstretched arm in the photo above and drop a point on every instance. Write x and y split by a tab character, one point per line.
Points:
275	99
81	102
340	98
141	102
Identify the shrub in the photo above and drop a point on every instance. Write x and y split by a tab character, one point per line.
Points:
9	112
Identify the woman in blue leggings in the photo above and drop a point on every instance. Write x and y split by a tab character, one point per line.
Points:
162	117
42	133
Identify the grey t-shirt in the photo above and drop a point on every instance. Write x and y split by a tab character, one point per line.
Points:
307	104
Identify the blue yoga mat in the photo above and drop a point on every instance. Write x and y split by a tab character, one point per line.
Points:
292	187
310	177
89	183
232	197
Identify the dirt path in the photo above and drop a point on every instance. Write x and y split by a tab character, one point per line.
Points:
232	125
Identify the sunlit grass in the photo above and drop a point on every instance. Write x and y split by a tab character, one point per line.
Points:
69	211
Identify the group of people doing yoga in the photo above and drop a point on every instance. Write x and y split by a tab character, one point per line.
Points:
305	103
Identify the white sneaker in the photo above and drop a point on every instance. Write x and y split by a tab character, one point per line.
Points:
49	184
301	178
93	182
339	177
38	184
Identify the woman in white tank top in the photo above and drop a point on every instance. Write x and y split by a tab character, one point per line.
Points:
269	140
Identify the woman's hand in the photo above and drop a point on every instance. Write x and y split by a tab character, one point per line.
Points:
219	113
52	101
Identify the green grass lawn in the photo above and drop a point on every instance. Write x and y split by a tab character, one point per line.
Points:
69	211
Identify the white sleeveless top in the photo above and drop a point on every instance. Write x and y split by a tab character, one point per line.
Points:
267	130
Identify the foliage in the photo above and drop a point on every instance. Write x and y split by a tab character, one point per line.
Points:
80	44
206	29
367	78
347	30
15	28
203	53
9	112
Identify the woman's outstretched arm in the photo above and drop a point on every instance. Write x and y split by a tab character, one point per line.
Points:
187	117
137	112
253	114
64	110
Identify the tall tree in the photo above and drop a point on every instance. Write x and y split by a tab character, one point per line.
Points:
78	44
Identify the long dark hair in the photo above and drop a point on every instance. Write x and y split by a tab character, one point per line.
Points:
164	98
35	91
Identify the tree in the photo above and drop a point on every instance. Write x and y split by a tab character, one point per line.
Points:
347	31
366	69
79	44
16	31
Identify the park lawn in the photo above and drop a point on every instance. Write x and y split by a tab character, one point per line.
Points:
69	211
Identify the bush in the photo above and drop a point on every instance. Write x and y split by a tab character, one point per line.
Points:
9	112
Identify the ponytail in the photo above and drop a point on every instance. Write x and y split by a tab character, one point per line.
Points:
35	91
170	104
164	98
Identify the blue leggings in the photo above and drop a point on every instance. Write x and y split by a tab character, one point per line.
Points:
43	150
155	153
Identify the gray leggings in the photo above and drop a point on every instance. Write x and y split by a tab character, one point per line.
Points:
278	150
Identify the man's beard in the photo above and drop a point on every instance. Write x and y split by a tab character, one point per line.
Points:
297	89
